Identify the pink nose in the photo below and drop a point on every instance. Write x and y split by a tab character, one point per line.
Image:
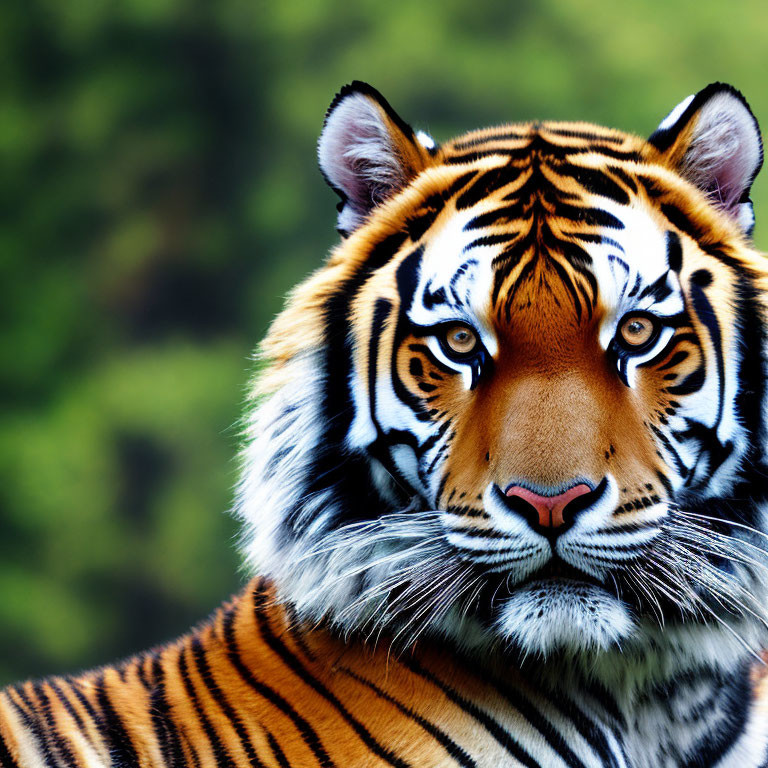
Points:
550	508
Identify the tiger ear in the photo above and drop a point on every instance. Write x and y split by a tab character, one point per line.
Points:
367	153
712	139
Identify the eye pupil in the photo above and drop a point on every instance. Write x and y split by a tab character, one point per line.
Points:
460	339
637	331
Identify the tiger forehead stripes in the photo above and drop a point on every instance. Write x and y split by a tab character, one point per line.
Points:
519	252
504	481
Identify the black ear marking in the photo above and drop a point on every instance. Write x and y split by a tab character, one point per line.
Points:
367	152
712	139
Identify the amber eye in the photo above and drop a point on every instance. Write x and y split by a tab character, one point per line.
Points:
460	339
637	330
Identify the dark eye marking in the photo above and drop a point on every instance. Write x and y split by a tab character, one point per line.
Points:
676	359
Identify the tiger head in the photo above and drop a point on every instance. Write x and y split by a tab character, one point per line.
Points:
522	405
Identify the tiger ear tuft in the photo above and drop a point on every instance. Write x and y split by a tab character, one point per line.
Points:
712	139
367	153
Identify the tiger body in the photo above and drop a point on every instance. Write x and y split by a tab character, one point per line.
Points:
504	479
251	688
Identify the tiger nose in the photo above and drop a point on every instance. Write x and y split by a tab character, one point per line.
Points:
550	509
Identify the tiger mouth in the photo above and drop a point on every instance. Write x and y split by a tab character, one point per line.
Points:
557	570
555	573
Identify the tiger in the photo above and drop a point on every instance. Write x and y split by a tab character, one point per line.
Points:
503	491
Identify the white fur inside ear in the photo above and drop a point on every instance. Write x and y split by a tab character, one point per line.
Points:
358	158
724	152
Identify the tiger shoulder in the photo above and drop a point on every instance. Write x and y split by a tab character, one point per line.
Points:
503	489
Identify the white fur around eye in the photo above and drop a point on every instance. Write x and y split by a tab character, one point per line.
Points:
635	361
465	369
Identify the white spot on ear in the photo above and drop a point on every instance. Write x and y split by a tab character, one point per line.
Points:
425	140
675	114
746	217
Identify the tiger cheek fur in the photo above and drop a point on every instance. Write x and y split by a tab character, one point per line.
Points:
504	481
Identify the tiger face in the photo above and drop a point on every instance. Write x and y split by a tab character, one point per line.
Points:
521	407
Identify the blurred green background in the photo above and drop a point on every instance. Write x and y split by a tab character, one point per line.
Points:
159	197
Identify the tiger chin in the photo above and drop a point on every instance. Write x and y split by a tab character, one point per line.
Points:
504	476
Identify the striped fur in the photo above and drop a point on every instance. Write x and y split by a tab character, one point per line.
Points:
412	608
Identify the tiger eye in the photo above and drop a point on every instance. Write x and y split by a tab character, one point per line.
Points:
637	330
460	339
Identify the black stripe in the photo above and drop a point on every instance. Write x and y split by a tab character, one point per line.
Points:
503	737
458	185
308	734
294	623
80	696
6	758
750	399
690	384
163	723
708	318
674	251
506	214
380	447
33	725
571	133
551	735
590	731
277	750
486	184
703	237
491	240
450	746
45	711
122	748
298	668
594	237
67	704
682	469
219	750
206	675
659	289
141	673
596	182
677	358
480	140
593	217
190	746
630	155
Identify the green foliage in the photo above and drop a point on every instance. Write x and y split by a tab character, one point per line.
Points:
160	196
